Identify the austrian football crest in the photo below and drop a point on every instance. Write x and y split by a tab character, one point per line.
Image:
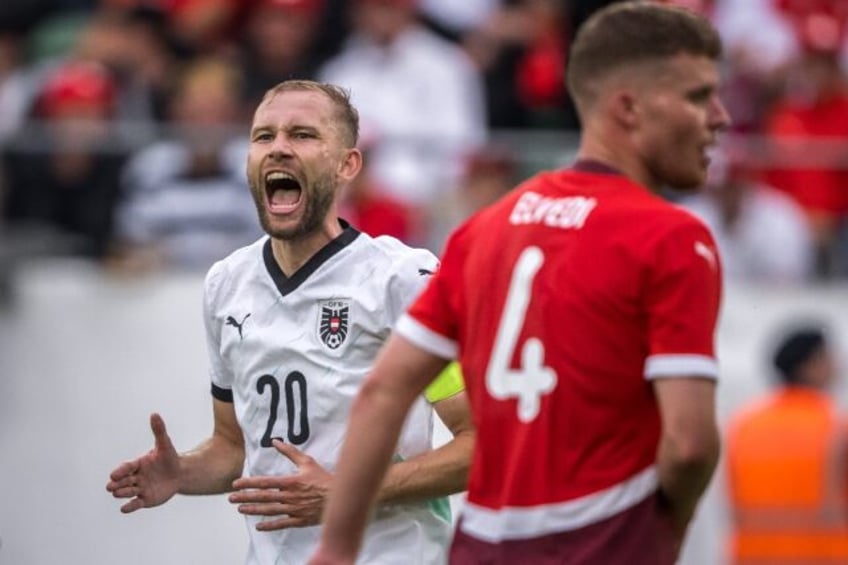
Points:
333	326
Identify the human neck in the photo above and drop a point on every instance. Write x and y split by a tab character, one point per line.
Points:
622	159
292	254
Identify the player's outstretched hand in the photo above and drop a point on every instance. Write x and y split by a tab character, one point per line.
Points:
296	500
151	479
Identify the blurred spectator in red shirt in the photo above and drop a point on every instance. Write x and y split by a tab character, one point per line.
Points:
202	26
540	75
806	132
371	210
522	48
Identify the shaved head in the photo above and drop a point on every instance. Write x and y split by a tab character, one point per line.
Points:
623	36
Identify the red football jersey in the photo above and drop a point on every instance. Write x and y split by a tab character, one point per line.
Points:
562	301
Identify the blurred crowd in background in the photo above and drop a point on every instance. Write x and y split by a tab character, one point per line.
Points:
123	123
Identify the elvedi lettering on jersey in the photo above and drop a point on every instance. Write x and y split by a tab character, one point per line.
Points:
565	213
334	322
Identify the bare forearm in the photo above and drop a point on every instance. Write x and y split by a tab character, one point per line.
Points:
689	445
684	477
441	472
211	467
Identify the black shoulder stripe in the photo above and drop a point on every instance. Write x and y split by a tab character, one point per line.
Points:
222	394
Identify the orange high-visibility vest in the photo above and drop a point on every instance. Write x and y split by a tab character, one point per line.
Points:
787	471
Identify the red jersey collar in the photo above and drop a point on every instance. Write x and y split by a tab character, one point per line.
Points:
594	166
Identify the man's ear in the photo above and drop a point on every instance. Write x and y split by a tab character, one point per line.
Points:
350	165
623	107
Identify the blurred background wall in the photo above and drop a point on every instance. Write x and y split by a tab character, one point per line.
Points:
85	358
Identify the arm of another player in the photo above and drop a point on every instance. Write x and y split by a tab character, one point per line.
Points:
401	373
155	477
689	445
443	471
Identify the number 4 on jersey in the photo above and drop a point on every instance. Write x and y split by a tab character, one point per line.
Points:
532	379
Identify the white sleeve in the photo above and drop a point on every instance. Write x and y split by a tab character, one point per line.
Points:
409	276
219	373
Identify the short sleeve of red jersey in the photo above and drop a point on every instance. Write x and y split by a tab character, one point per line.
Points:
682	299
431	321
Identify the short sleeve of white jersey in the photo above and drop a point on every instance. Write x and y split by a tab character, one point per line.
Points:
218	372
410	272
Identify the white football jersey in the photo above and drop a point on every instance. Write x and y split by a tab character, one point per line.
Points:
291	353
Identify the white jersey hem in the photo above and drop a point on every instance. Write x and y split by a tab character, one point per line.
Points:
512	523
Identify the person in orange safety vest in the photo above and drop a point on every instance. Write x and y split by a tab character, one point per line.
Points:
787	464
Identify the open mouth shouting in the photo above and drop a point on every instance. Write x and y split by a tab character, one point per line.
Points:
283	192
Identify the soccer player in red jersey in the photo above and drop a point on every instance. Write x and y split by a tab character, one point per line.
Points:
582	307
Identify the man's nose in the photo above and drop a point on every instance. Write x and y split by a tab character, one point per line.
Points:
281	146
720	118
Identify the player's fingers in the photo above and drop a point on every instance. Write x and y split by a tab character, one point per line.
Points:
251	496
261	483
268	483
132	505
124	482
124	469
294	455
160	433
126	492
283	523
267	509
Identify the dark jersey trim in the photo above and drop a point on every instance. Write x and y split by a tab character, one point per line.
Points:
593	166
222	394
287	285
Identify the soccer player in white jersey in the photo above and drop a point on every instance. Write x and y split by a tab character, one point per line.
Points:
294	322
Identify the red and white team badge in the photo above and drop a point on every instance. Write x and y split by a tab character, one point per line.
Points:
333	325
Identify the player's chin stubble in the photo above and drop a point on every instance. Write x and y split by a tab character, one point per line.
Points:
319	199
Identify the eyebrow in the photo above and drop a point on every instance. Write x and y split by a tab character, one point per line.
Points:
702	90
310	129
295	127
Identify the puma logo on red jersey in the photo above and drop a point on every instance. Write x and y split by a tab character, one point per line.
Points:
704	251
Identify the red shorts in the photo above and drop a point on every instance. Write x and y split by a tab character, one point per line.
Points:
637	536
